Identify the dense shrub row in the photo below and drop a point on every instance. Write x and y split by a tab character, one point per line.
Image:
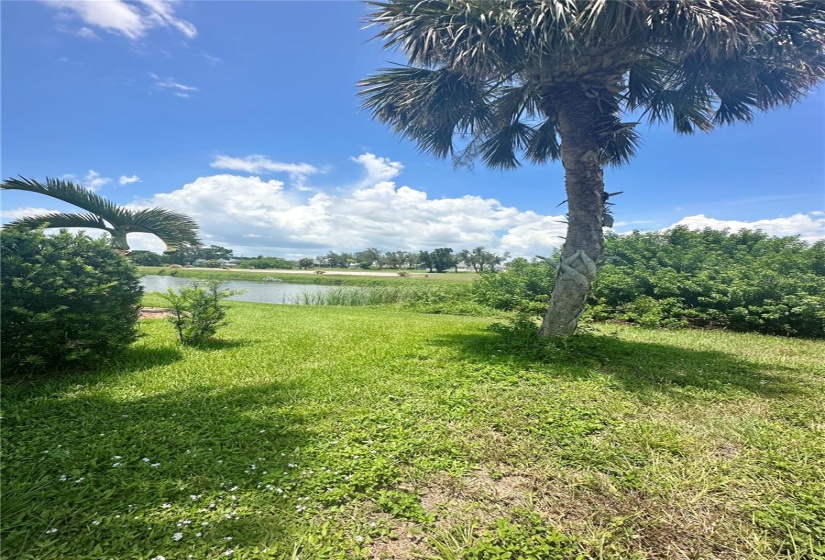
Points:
746	281
65	298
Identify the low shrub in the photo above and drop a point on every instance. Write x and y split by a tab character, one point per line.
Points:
746	281
197	311
66	298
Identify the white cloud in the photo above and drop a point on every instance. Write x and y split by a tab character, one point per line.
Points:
124	180
93	180
213	60
17	213
169	84
378	168
86	33
132	20
810	227
256	216
259	164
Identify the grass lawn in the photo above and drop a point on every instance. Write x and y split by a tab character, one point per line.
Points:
334	432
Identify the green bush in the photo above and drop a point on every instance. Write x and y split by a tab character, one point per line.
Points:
745	281
197	311
523	287
65	298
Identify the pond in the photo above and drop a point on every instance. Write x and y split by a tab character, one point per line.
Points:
258	292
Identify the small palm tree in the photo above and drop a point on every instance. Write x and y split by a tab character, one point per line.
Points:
174	229
552	79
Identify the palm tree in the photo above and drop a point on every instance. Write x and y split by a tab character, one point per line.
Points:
551	79
173	228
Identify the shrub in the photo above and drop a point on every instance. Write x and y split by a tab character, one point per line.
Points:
66	298
523	286
197	311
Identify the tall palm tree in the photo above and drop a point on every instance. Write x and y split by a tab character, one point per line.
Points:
173	228
552	79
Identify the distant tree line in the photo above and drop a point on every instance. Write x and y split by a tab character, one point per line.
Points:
438	260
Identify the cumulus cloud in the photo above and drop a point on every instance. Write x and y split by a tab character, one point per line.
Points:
810	227
93	180
127	180
132	20
257	216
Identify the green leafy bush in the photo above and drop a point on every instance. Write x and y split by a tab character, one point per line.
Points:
266	263
523	286
65	298
745	281
197	311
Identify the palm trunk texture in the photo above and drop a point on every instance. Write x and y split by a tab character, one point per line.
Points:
584	183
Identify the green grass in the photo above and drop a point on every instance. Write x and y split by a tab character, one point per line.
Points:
356	432
330	277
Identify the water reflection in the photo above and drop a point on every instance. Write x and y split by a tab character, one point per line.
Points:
258	292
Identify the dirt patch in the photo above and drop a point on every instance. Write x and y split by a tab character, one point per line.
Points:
406	543
154	312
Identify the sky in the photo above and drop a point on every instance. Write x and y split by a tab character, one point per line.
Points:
245	116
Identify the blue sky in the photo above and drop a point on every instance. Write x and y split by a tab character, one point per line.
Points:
245	115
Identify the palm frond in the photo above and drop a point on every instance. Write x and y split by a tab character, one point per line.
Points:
70	192
544	145
619	142
499	149
173	228
59	220
428	106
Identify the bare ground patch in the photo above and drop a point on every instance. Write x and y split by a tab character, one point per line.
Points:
604	519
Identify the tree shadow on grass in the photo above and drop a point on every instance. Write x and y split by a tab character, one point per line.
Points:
639	367
138	466
134	358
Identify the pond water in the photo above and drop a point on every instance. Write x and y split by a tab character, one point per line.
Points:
259	292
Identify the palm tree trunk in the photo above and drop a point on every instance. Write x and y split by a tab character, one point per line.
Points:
584	183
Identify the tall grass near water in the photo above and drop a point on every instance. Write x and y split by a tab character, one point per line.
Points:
379	295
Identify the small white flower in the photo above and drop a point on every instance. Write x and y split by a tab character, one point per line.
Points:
95	522
228	552
155	465
194	497
198	534
166	506
359	538
116	457
227	538
52	530
81	479
64	478
204	523
117	464
146	460
233	488
177	536
158	557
